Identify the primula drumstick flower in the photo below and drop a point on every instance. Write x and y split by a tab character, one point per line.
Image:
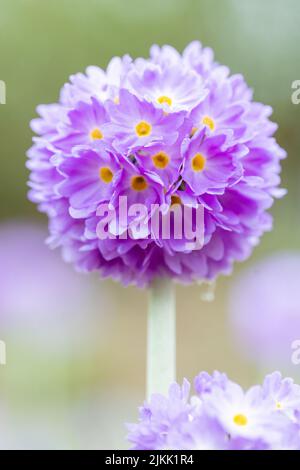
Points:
174	131
197	133
221	416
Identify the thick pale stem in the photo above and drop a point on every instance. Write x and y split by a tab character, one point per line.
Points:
161	346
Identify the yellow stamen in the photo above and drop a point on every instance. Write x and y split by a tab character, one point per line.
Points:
193	131
278	406
182	186
175	199
198	162
160	160
116	100
105	174
164	100
143	128
138	183
96	134
240	420
209	122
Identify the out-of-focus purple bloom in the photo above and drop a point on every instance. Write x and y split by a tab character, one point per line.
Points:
221	416
264	309
193	135
40	298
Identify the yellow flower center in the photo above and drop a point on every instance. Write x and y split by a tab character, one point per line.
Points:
209	122
175	199
160	160
143	128
240	420
164	100
96	134
278	405
116	100
105	174
198	162
138	183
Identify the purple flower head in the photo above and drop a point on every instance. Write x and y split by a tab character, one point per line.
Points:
165	160
221	416
264	308
136	123
172	130
84	126
90	177
141	190
172	89
210	165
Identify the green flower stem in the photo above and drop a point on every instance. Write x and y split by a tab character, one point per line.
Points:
161	347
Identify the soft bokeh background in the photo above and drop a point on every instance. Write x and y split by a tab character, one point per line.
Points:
78	393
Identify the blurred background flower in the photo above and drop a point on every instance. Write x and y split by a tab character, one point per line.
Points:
83	398
264	310
52	321
39	295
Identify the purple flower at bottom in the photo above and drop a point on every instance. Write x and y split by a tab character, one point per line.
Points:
206	433
205	383
160	416
220	416
284	394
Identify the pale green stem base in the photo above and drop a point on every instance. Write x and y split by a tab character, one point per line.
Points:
161	345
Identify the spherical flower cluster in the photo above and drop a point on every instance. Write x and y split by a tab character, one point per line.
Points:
221	416
174	131
264	309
